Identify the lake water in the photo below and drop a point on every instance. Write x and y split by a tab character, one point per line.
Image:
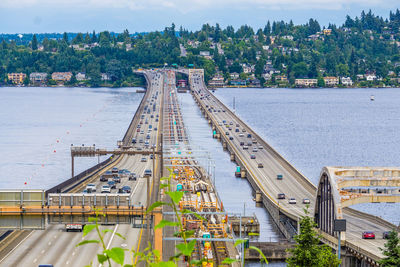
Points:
310	128
38	126
313	128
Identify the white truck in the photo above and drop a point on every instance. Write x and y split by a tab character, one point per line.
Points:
74	227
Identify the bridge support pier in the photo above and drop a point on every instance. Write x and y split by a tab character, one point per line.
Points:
258	197
224	145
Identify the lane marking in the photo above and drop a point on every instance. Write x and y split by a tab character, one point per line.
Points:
111	239
11	251
35	260
138	246
42	251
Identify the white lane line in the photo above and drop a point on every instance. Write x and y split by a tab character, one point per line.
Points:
49	243
111	239
42	251
11	251
35	260
112	236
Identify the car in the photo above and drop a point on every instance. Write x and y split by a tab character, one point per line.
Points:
241	143
151	156
148	136
281	196
241	135
132	177
255	149
243	130
260	165
230	137
114	170
140	141
254	141
111	184
292	200
306	201
260	147
144	159
126	189
45	265
147	172
116	179
91	187
368	235
385	235
252	156
133	140
103	178
245	147
249	143
226	133
155	128
231	123
248	135
279	176
236	130
138	130
105	189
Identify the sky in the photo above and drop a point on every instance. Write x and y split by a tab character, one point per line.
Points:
41	16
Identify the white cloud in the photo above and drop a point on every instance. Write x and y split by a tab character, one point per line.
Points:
193	5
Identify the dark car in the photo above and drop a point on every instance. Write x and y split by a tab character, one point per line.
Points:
248	135
252	156
231	138
242	143
368	235
281	196
385	235
111	184
126	189
103	178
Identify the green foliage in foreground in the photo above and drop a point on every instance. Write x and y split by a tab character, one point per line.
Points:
391	251
308	252
150	256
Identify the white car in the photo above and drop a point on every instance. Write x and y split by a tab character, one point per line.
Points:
306	201
292	200
105	189
91	187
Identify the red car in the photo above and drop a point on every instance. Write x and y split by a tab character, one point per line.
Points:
368	235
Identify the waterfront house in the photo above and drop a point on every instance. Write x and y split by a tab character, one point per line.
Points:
234	75
280	78
38	77
306	82
331	81
217	81
346	81
80	76
370	77
105	77
61	76
17	78
255	82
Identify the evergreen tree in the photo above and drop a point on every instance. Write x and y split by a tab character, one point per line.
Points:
391	251
267	28
308	252
34	43
94	37
65	38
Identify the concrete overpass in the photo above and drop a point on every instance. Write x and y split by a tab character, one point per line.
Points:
262	166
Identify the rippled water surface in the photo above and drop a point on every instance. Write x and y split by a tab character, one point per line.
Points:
38	125
326	127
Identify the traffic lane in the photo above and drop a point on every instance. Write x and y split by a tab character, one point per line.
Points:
269	172
28	247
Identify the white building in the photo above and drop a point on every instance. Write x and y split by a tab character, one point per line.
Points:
346	81
105	77
80	76
370	77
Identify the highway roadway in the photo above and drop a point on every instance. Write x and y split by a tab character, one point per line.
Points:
56	246
292	184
